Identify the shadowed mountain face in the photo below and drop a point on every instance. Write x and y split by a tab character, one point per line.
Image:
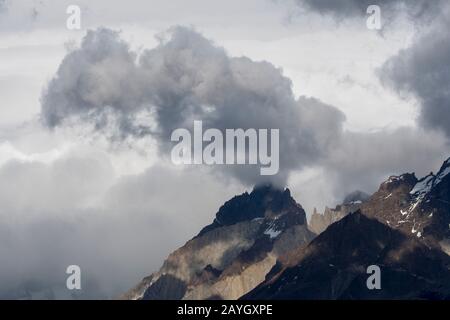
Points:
232	255
333	266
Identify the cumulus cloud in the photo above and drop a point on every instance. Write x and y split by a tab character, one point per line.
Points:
98	78
423	72
185	78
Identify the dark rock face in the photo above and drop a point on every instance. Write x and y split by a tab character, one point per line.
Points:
232	255
262	201
166	287
436	204
334	264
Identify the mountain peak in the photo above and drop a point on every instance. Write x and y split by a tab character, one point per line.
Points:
269	189
393	182
263	201
243	243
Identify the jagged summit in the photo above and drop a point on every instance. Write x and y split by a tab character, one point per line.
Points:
393	182
263	201
352	202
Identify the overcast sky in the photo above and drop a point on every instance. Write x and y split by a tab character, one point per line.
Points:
356	106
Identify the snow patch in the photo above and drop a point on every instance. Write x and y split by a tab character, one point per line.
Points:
421	189
423	186
272	233
441	175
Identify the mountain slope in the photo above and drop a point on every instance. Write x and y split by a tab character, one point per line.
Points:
232	255
333	266
415	207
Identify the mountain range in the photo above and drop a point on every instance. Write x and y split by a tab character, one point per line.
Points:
260	246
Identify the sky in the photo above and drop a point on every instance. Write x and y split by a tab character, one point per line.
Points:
85	115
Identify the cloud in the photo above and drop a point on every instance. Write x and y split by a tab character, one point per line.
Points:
98	78
414	9
73	211
361	161
185	78
422	71
364	160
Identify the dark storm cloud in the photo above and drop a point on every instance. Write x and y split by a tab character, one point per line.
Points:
186	78
423	70
415	9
